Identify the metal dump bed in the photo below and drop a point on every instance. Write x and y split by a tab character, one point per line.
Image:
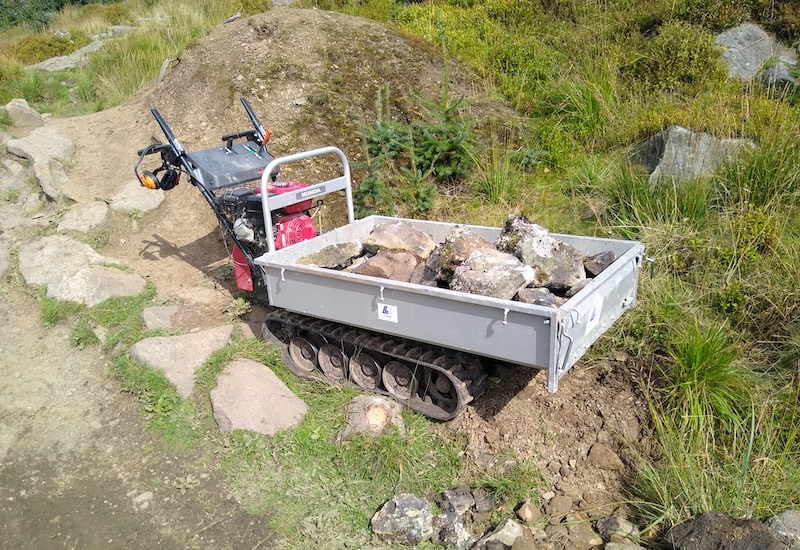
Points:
534	336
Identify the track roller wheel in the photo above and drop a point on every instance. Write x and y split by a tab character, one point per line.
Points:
333	362
303	354
399	380
442	391
365	371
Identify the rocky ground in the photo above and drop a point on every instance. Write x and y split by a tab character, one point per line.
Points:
77	466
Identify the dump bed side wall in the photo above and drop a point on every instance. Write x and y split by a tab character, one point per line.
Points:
530	335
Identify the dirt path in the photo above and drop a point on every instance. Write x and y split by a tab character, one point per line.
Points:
77	467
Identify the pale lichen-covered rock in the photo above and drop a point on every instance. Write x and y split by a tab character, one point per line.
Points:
42	145
400	236
405	519
747	47
458	246
249	396
94	284
335	256
23	118
489	272
558	265
450	531
506	534
85	217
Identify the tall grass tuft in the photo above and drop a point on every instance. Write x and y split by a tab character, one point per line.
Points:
499	178
703	387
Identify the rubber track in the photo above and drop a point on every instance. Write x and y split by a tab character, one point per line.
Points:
464	371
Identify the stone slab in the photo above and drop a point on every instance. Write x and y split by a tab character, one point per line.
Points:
95	284
135	198
249	396
179	357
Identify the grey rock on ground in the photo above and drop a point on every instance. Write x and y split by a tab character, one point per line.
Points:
179	357
405	519
33	203
158	317
450	531
458	500
5	259
85	217
41	145
333	256
601	456
505	533
622	546
14	168
484	502
557	508
370	415
400	236
396	265
52	178
459	245
580	535
786	528
678	154
23	118
528	512
70	61
249	396
778	77
48	259
489	272
616	526
713	530
747	48
136	198
94	284
540	297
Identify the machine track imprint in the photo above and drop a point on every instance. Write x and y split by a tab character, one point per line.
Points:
433	381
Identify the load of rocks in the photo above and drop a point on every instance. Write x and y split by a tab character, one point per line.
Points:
525	263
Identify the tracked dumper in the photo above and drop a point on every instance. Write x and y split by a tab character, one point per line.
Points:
426	347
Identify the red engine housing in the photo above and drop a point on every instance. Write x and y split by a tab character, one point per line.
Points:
293	229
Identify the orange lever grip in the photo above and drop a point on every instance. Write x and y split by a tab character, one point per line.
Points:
267	136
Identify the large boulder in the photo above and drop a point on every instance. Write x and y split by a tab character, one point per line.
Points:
70	61
678	154
42	145
405	519
747	48
85	217
45	261
249	396
94	284
713	530
136	198
401	236
23	118
489	272
52	178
